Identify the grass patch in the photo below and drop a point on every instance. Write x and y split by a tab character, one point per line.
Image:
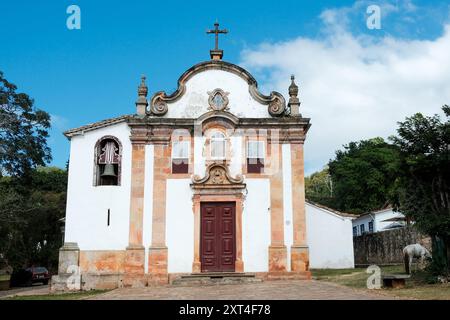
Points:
59	296
4	277
417	287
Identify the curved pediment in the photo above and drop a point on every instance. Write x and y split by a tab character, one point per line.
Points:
222	77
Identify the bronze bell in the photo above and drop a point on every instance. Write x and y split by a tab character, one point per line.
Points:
109	171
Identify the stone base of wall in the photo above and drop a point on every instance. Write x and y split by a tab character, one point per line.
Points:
65	282
92	281
277	258
108	281
85	282
133	280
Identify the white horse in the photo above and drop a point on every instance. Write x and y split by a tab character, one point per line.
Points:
414	251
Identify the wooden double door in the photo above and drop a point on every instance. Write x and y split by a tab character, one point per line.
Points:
218	236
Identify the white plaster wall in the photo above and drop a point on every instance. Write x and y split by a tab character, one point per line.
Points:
287	201
148	202
365	221
388	214
256	226
199	160
378	218
179	225
87	206
330	239
236	155
194	102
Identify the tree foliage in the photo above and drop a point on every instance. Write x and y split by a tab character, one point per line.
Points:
23	132
319	188
424	184
30	218
363	175
32	198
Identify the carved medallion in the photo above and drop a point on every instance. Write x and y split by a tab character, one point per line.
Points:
218	176
218	100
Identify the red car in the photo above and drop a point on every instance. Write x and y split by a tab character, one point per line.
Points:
26	277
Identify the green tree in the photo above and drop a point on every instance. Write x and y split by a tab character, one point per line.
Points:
424	186
29	220
23	132
319	187
363	175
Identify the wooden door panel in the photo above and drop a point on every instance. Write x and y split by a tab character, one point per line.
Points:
218	237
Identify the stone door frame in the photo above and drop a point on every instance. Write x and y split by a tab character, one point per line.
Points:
197	200
217	186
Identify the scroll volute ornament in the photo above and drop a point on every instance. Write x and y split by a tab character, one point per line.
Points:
277	107
158	107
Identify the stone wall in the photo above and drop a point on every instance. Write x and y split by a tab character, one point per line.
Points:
386	247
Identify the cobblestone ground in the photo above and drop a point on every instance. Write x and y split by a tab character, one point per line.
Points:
268	290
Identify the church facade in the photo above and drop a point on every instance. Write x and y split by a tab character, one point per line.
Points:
207	179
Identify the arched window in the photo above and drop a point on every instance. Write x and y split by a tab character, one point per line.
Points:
218	146
108	161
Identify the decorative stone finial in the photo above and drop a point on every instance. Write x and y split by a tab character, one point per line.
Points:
141	102
293	88
294	102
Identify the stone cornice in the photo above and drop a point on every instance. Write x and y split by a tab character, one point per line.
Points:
238	122
157	130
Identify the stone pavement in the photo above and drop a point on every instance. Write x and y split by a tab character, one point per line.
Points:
268	290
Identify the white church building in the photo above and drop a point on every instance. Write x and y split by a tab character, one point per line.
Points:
204	180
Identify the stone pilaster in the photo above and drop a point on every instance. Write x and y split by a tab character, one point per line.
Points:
299	249
69	255
69	275
277	249
158	251
134	266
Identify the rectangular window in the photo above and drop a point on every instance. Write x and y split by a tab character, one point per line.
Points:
255	156
180	156
362	229
218	144
355	231
371	226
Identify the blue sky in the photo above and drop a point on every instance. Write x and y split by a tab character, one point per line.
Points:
82	76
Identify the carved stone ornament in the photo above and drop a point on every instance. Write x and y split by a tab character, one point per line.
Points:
276	107
159	107
218	100
217	174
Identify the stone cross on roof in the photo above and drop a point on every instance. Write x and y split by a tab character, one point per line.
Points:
216	54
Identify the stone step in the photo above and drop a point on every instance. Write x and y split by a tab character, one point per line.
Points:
211	279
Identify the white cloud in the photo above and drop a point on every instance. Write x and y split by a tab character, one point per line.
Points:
355	87
59	122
